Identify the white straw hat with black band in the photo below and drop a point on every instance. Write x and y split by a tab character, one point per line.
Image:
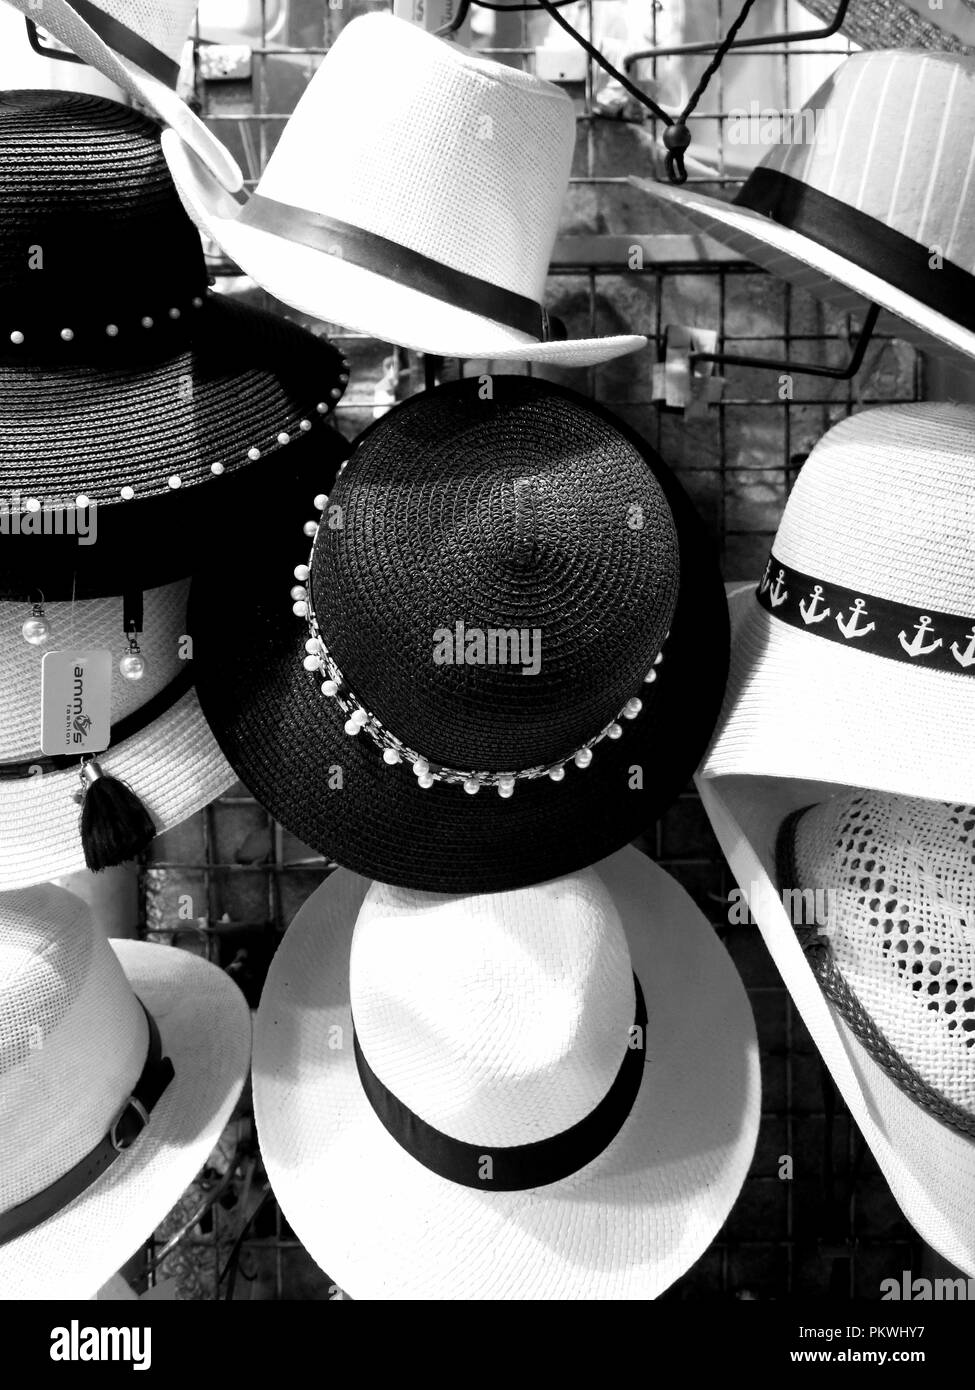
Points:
551	1093
138	44
874	202
431	222
120	1064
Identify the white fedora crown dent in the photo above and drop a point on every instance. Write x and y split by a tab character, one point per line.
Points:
418	140
500	1019
885	504
896	141
73	1039
86	625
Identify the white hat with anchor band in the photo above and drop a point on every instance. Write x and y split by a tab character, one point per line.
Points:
853	661
550	1093
869	197
137	44
431	222
120	1064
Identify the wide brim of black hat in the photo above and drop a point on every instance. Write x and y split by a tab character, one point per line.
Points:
155	436
333	791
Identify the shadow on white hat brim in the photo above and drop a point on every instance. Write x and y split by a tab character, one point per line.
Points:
798	705
174	766
205	1027
68	26
625	1226
930	1168
333	290
797	258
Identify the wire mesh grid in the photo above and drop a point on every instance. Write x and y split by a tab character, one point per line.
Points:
815	1216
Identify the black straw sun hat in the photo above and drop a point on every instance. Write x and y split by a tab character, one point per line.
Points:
125	384
504	651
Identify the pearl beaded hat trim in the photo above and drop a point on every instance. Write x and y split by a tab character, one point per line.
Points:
318	659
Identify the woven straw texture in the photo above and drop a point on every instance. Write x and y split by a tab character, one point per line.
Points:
151	410
902	23
166	25
627	1224
174	765
463	160
929	1166
799	706
508	513
899	146
72	1044
901	922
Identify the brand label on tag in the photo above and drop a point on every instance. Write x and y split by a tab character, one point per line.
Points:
76	702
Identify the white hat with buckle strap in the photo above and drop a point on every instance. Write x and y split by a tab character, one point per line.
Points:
415	196
120	1064
138	44
550	1093
874	202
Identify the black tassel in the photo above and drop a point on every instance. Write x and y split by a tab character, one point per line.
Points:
115	826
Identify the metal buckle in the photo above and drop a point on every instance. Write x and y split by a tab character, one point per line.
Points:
142	1115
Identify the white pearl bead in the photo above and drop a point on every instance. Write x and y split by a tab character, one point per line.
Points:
17	337
197	302
557	773
344	376
305	425
216	469
67	334
174	313
614	731
330	687
299	591
391	757
82	501
253	454
310	528
425	780
36	630
311	663
583	758
132	666
127	493
632	708
311	644
649	678
359	717
421	767
147	322
505	791
322	408
335	393
302	572
112	330
32	504
175	481
300	609
471	787
351	727
320	501
284	437
658	658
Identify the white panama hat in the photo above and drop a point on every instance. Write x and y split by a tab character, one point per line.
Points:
874	203
414	195
929	1166
492	1028
853	660
138	44
161	745
83	1182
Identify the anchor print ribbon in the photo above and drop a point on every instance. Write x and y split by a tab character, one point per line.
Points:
913	636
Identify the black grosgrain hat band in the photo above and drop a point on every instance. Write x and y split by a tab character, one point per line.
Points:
125	42
129	1123
404	266
518	1167
900	632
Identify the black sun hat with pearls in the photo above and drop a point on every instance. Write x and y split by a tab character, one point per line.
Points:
504	649
126	385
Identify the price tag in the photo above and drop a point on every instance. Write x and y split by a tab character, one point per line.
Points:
76	702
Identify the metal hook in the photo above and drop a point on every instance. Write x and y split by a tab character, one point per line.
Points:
451	28
802	36
845	373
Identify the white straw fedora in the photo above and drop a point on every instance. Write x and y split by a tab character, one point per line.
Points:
138	44
944	24
853	660
120	1063
585	1047
414	195
870	198
930	1167
161	746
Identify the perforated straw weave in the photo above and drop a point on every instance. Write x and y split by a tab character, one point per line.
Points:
900	910
900	23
